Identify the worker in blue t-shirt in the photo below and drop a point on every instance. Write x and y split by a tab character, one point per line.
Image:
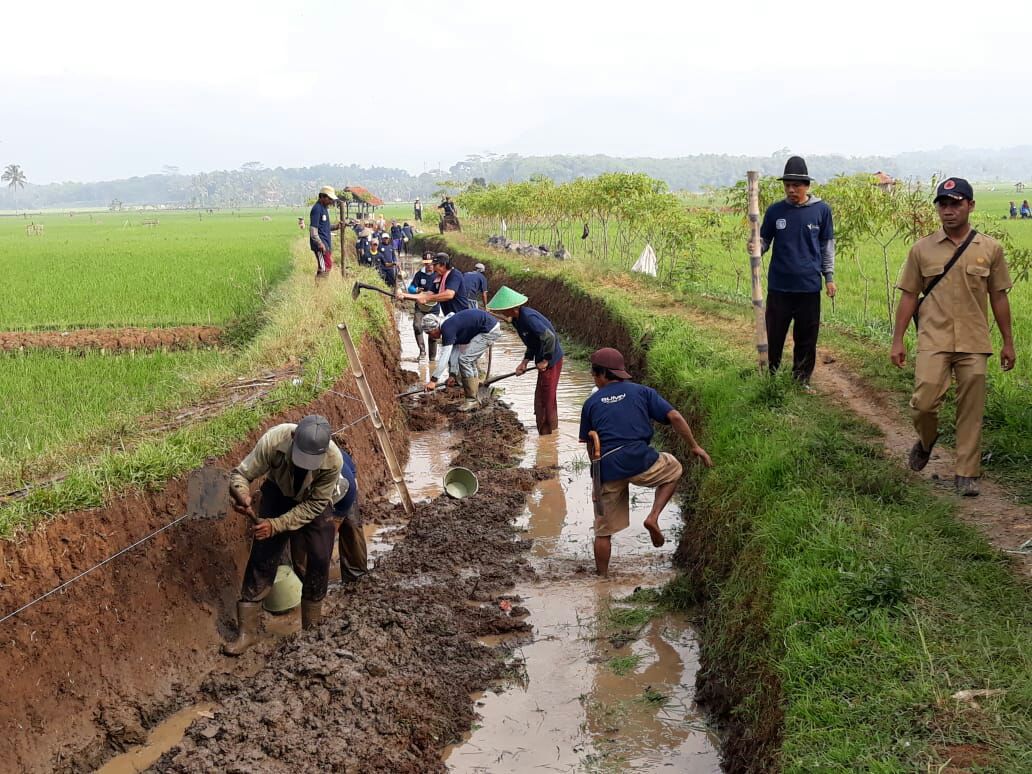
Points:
465	336
424	281
450	289
351	542
803	237
388	261
475	284
319	229
621	412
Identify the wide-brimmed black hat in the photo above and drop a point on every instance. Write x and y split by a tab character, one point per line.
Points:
795	171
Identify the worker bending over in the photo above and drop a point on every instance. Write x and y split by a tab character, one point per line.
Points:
464	338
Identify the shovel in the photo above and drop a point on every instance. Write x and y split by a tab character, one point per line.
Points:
484	391
207	493
360	286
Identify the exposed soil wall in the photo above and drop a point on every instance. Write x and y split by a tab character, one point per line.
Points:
142	631
710	547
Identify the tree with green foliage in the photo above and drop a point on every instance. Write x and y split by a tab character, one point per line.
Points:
15	178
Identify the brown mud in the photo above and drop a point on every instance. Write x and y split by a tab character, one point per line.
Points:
89	670
383	683
114	339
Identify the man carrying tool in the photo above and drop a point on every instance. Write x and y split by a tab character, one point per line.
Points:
302	466
319	231
449	291
957	270
538	335
476	286
620	416
464	336
424	281
803	237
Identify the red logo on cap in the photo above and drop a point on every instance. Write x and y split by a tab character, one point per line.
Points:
949	185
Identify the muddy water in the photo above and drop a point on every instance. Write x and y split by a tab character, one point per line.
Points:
162	738
572	711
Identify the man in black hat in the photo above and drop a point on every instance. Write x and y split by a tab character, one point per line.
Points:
800	229
957	270
621	412
450	292
301	465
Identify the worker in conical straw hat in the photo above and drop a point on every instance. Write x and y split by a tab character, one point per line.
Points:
543	349
319	230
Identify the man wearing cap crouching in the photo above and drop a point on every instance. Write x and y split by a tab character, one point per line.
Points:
319	231
957	270
464	337
800	229
621	413
301	465
543	348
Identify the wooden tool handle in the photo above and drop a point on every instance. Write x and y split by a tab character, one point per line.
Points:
596	445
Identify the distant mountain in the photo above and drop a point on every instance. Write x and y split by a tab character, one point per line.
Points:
259	186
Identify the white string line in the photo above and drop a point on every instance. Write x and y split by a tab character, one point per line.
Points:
70	581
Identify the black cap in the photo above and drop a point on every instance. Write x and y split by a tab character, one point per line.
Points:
795	171
311	440
442	258
954	188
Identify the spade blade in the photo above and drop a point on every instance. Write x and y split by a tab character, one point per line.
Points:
207	493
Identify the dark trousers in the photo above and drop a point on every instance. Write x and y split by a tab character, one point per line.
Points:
803	312
351	544
314	542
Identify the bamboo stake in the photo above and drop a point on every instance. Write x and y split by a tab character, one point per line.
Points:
397	476
756	264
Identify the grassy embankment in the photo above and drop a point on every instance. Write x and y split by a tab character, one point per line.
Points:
845	603
91	404
857	324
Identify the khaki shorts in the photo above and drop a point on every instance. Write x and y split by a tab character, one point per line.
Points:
616	500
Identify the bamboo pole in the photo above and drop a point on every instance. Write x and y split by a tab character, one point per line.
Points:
397	475
756	264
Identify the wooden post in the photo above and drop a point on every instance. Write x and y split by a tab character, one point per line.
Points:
756	264
397	475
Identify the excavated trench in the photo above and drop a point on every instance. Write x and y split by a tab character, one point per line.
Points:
494	591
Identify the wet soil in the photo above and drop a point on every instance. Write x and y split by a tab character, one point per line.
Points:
383	683
114	339
88	671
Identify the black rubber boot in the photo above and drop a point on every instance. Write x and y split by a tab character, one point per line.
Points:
311	613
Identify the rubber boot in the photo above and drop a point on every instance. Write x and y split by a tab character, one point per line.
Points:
420	344
247	622
470	384
311	613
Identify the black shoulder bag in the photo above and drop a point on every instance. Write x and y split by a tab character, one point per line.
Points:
938	278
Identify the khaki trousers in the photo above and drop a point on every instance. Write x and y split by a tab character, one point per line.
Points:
932	376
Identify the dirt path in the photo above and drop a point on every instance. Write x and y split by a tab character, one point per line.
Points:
114	339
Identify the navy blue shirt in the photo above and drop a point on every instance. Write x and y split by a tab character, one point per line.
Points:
425	282
396	232
797	233
320	218
476	285
453	280
347	472
461	328
531	326
387	255
622	414
406	231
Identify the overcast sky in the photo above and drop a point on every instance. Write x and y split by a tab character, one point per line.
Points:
105	90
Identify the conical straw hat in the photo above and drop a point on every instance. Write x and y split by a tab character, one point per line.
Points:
506	298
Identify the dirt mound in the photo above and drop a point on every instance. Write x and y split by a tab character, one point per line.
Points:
144	630
114	339
384	683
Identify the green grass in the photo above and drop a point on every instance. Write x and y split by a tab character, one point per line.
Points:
624	665
845	603
106	269
56	398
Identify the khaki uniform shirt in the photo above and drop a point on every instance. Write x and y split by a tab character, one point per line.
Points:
271	455
954	318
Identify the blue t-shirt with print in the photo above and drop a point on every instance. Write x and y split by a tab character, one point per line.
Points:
462	327
425	282
320	218
622	414
453	280
796	232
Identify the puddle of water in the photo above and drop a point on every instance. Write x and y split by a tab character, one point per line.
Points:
162	738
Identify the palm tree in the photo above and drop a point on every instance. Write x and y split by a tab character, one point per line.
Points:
15	179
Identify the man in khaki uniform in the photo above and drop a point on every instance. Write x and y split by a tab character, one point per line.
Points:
953	328
301	465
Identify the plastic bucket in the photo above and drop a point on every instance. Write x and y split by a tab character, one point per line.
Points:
460	482
286	591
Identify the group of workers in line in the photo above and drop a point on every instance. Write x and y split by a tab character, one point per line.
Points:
310	493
